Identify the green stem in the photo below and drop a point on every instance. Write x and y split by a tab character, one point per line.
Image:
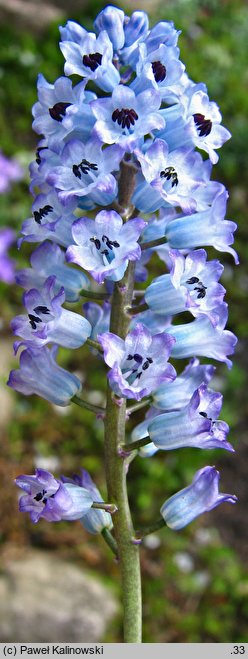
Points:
93	295
138	406
146	530
137	309
110	508
94	344
128	552
88	406
137	444
110	540
153	243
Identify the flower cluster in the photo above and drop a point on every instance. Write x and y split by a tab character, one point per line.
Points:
123	170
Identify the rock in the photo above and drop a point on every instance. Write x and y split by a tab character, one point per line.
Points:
46	599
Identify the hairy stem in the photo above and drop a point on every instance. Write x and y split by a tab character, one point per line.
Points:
116	468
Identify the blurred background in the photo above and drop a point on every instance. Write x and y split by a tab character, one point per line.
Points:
57	582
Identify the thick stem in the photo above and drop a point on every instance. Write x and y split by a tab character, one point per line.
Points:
116	468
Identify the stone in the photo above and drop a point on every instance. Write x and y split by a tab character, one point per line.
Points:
46	599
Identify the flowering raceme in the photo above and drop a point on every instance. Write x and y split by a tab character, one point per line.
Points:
122	172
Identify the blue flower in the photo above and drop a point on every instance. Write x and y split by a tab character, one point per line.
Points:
85	169
48	259
194	425
47	322
95	519
50	220
61	109
99	317
174	395
138	364
125	118
206	228
159	68
52	499
204	122
105	245
111	19
173	177
199	497
91	58
201	338
40	374
192	285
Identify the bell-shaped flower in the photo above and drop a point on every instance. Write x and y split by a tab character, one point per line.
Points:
95	519
138	364
91	58
85	170
105	245
111	19
175	395
48	259
194	425
61	109
203	339
52	499
40	374
192	285
159	68
46	321
125	118
206	228
51	220
199	497
72	31
172	176
203	120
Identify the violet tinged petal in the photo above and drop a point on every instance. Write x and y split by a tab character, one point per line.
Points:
40	374
199	497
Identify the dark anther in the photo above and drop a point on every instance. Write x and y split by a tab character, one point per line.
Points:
34	320
159	71
58	110
41	309
204	126
201	290
105	252
83	168
125	117
147	363
38	158
204	414
129	357
170	173
110	243
93	60
96	241
137	358
40	495
192	280
42	212
200	286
